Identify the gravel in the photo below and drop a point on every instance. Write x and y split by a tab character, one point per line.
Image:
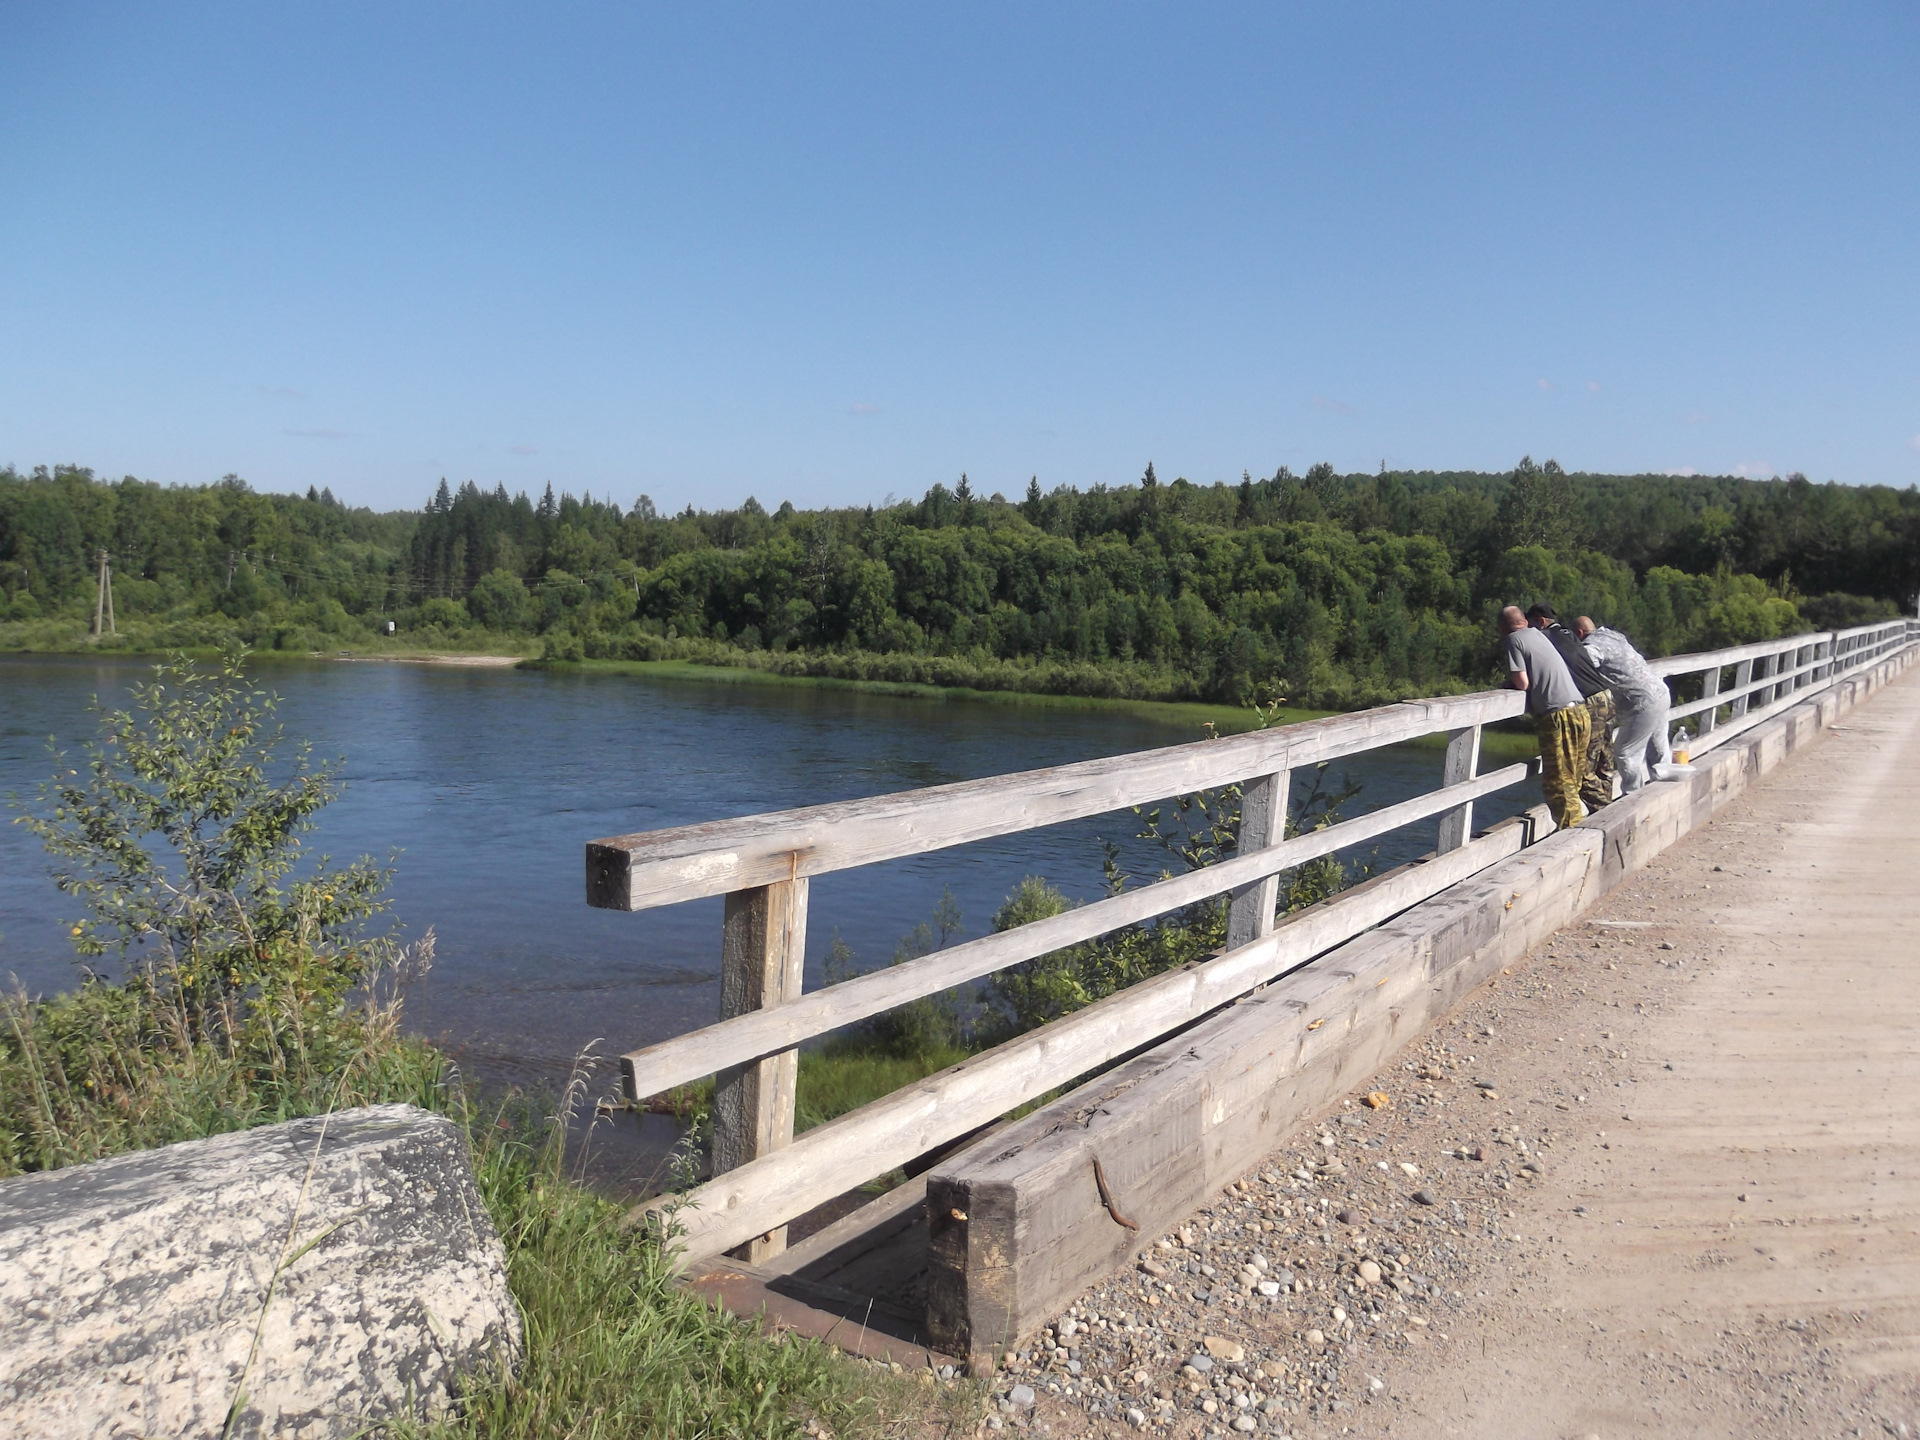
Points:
1279	1304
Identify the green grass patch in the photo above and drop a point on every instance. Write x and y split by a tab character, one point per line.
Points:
616	1348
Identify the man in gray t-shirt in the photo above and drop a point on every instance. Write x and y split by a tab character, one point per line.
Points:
1550	684
1559	714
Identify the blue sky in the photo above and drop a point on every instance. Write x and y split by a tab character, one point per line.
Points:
827	253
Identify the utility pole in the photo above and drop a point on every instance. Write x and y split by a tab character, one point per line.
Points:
229	569
103	599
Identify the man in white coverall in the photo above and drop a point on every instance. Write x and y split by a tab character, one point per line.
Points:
1640	703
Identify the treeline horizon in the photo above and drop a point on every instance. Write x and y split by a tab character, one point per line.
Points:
1330	590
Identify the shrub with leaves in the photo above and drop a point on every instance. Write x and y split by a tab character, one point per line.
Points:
250	992
1199	830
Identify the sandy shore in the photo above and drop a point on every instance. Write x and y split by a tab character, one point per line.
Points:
476	661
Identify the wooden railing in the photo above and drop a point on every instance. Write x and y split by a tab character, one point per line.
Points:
762	864
1753	683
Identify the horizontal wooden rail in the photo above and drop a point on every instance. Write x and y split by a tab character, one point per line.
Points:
1724	697
826	1161
664	867
1669	665
759	1033
1822	672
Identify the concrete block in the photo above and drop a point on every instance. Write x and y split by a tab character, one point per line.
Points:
134	1290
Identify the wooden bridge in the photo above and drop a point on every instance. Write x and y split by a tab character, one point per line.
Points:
1196	1072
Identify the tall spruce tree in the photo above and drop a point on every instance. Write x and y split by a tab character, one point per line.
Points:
1538	508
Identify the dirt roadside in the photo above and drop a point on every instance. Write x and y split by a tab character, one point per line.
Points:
1696	1207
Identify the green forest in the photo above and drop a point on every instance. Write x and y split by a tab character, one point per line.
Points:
1330	590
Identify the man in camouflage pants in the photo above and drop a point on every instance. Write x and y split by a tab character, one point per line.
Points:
1559	714
1596	781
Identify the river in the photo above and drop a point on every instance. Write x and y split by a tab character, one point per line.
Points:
485	784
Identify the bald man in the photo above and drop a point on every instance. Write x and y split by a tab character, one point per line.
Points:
1640	703
1559	713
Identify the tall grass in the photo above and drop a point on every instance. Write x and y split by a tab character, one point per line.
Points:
109	1068
615	1347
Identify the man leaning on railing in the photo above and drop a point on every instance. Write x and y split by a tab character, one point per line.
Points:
1559	714
1596	779
1640	703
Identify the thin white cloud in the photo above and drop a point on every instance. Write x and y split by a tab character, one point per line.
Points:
863	407
316	434
1699	417
1914	443
1755	470
521	450
1328	403
1544	383
282	392
1594	386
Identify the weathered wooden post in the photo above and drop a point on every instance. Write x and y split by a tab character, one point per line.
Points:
1462	764
1709	687
763	947
1263	822
1742	674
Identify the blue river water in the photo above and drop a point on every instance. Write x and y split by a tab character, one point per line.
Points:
484	784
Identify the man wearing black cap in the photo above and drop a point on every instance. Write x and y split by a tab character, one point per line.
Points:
1596	785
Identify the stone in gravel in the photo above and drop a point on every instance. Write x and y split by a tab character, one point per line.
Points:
1201	1363
1243	1423
1476	1152
1020	1397
1350	1217
1220	1348
1425	1197
1316	1339
1157	1271
1269	1288
1284	1276
1369	1273
1137	1417
1272	1369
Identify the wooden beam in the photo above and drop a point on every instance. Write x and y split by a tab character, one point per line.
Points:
757	1032
664	867
1709	690
762	956
1742	674
1771	683
1463	759
1263	823
1019	1227
1668	665
831	1158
